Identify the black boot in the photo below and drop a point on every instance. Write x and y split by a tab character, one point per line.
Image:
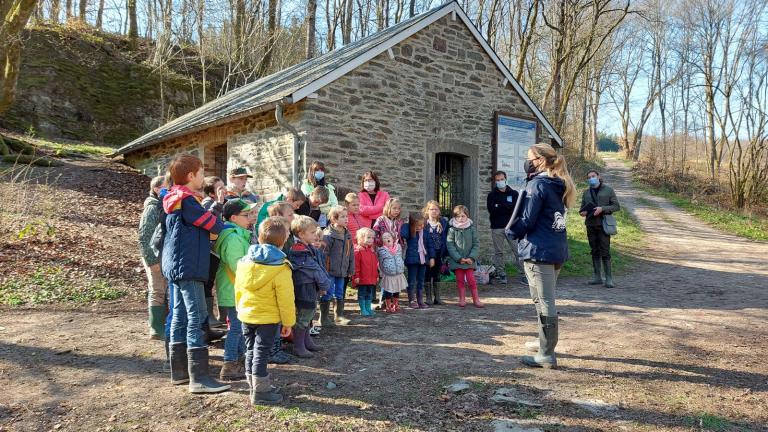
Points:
325	314
338	313
212	321
608	272
200	380
548	335
436	291
178	358
429	287
211	335
596	279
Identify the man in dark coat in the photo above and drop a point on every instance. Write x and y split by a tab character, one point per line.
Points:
596	202
500	203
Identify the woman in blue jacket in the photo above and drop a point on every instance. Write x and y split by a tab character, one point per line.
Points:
542	239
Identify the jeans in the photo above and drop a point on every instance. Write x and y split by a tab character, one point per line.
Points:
337	289
599	242
234	345
416	273
542	279
304	318
500	243
365	292
258	343
189	303
169	317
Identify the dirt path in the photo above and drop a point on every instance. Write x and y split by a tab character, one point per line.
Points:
678	345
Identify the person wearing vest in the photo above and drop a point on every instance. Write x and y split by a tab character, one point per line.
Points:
598	200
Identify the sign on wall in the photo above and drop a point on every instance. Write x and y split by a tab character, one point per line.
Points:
513	136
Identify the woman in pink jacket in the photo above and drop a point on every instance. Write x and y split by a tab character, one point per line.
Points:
372	199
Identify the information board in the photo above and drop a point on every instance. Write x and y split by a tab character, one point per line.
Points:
513	138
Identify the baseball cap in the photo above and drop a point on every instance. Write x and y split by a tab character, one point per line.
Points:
240	172
237	206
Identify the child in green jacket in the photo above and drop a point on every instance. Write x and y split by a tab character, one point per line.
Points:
463	246
232	244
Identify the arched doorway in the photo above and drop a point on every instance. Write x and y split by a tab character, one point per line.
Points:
451	185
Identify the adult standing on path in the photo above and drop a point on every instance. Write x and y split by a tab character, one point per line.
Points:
543	243
315	178
372	198
596	202
500	203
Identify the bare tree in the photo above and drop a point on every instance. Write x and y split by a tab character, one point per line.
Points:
15	14
82	11
311	29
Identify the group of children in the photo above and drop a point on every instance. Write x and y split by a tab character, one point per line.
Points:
273	265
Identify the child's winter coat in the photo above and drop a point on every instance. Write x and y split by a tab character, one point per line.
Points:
264	287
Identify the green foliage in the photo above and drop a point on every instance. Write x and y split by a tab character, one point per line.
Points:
732	221
19	146
51	284
607	143
710	422
3	147
30	229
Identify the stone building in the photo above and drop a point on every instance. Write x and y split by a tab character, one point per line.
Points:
420	103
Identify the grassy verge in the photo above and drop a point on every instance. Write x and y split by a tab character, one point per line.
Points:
750	227
53	285
64	149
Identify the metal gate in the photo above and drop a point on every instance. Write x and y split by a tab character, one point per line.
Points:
449	182
220	162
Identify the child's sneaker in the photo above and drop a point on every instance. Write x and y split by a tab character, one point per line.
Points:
314	331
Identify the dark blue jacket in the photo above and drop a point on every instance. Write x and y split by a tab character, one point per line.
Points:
438	239
309	275
187	244
541	227
412	246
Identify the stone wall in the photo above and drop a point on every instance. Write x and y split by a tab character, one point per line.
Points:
438	94
257	142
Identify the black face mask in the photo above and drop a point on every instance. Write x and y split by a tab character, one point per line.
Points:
528	167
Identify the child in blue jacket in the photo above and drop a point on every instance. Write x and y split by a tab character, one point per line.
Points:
419	254
310	281
185	264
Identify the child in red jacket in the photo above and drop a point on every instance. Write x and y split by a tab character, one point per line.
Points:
366	270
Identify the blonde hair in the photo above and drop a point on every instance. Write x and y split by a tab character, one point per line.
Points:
425	212
335	212
387	211
362	232
459	209
279	209
302	224
351	197
558	168
273	231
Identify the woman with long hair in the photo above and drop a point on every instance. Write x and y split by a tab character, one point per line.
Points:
543	245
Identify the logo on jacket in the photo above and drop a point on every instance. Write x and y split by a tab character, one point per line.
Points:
559	224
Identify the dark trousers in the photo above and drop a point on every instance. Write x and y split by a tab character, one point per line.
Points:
258	343
599	242
433	273
208	287
416	274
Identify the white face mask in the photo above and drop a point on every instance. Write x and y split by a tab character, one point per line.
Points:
370	186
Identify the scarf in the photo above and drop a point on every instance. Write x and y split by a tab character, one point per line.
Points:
393	249
437	226
465	225
422	249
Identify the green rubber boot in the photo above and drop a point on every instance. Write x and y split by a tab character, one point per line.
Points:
325	314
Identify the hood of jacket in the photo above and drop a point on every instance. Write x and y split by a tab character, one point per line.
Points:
557	184
174	197
152	201
265	254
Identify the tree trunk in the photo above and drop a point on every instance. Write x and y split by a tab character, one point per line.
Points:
133	25
100	15
55	10
15	15
68	12
271	37
310	51
83	10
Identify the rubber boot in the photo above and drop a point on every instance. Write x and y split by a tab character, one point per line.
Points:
276	354
310	344
263	392
476	297
157	316
388	307
436	290
396	304
363	308
178	359
338	313
608	272
200	380
212	321
420	300
428	289
596	278
369	307
462	296
548	334
300	343
325	314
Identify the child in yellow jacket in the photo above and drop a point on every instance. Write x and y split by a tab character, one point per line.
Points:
264	299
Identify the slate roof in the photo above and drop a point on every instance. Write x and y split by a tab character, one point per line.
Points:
314	73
